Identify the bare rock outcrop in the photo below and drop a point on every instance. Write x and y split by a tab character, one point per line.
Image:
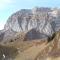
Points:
44	20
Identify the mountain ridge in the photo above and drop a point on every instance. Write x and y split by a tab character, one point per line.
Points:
42	20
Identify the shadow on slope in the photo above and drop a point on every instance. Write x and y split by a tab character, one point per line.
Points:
34	34
7	53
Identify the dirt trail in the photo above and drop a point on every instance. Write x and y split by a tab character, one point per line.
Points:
30	53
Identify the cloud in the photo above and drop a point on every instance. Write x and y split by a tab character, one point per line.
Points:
4	3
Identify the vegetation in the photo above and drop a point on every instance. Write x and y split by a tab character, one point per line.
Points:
31	50
9	52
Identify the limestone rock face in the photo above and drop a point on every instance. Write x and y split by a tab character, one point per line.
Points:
44	20
27	19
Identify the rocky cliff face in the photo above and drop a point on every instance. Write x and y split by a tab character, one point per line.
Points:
25	20
43	20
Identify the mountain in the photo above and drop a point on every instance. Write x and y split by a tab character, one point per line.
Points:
43	21
31	34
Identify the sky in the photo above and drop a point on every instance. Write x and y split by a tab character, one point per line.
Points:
8	7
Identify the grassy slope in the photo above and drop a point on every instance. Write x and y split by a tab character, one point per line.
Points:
52	50
42	51
33	50
30	53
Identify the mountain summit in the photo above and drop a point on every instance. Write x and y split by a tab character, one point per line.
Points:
44	22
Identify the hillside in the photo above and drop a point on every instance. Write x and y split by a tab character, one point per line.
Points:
42	51
35	49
